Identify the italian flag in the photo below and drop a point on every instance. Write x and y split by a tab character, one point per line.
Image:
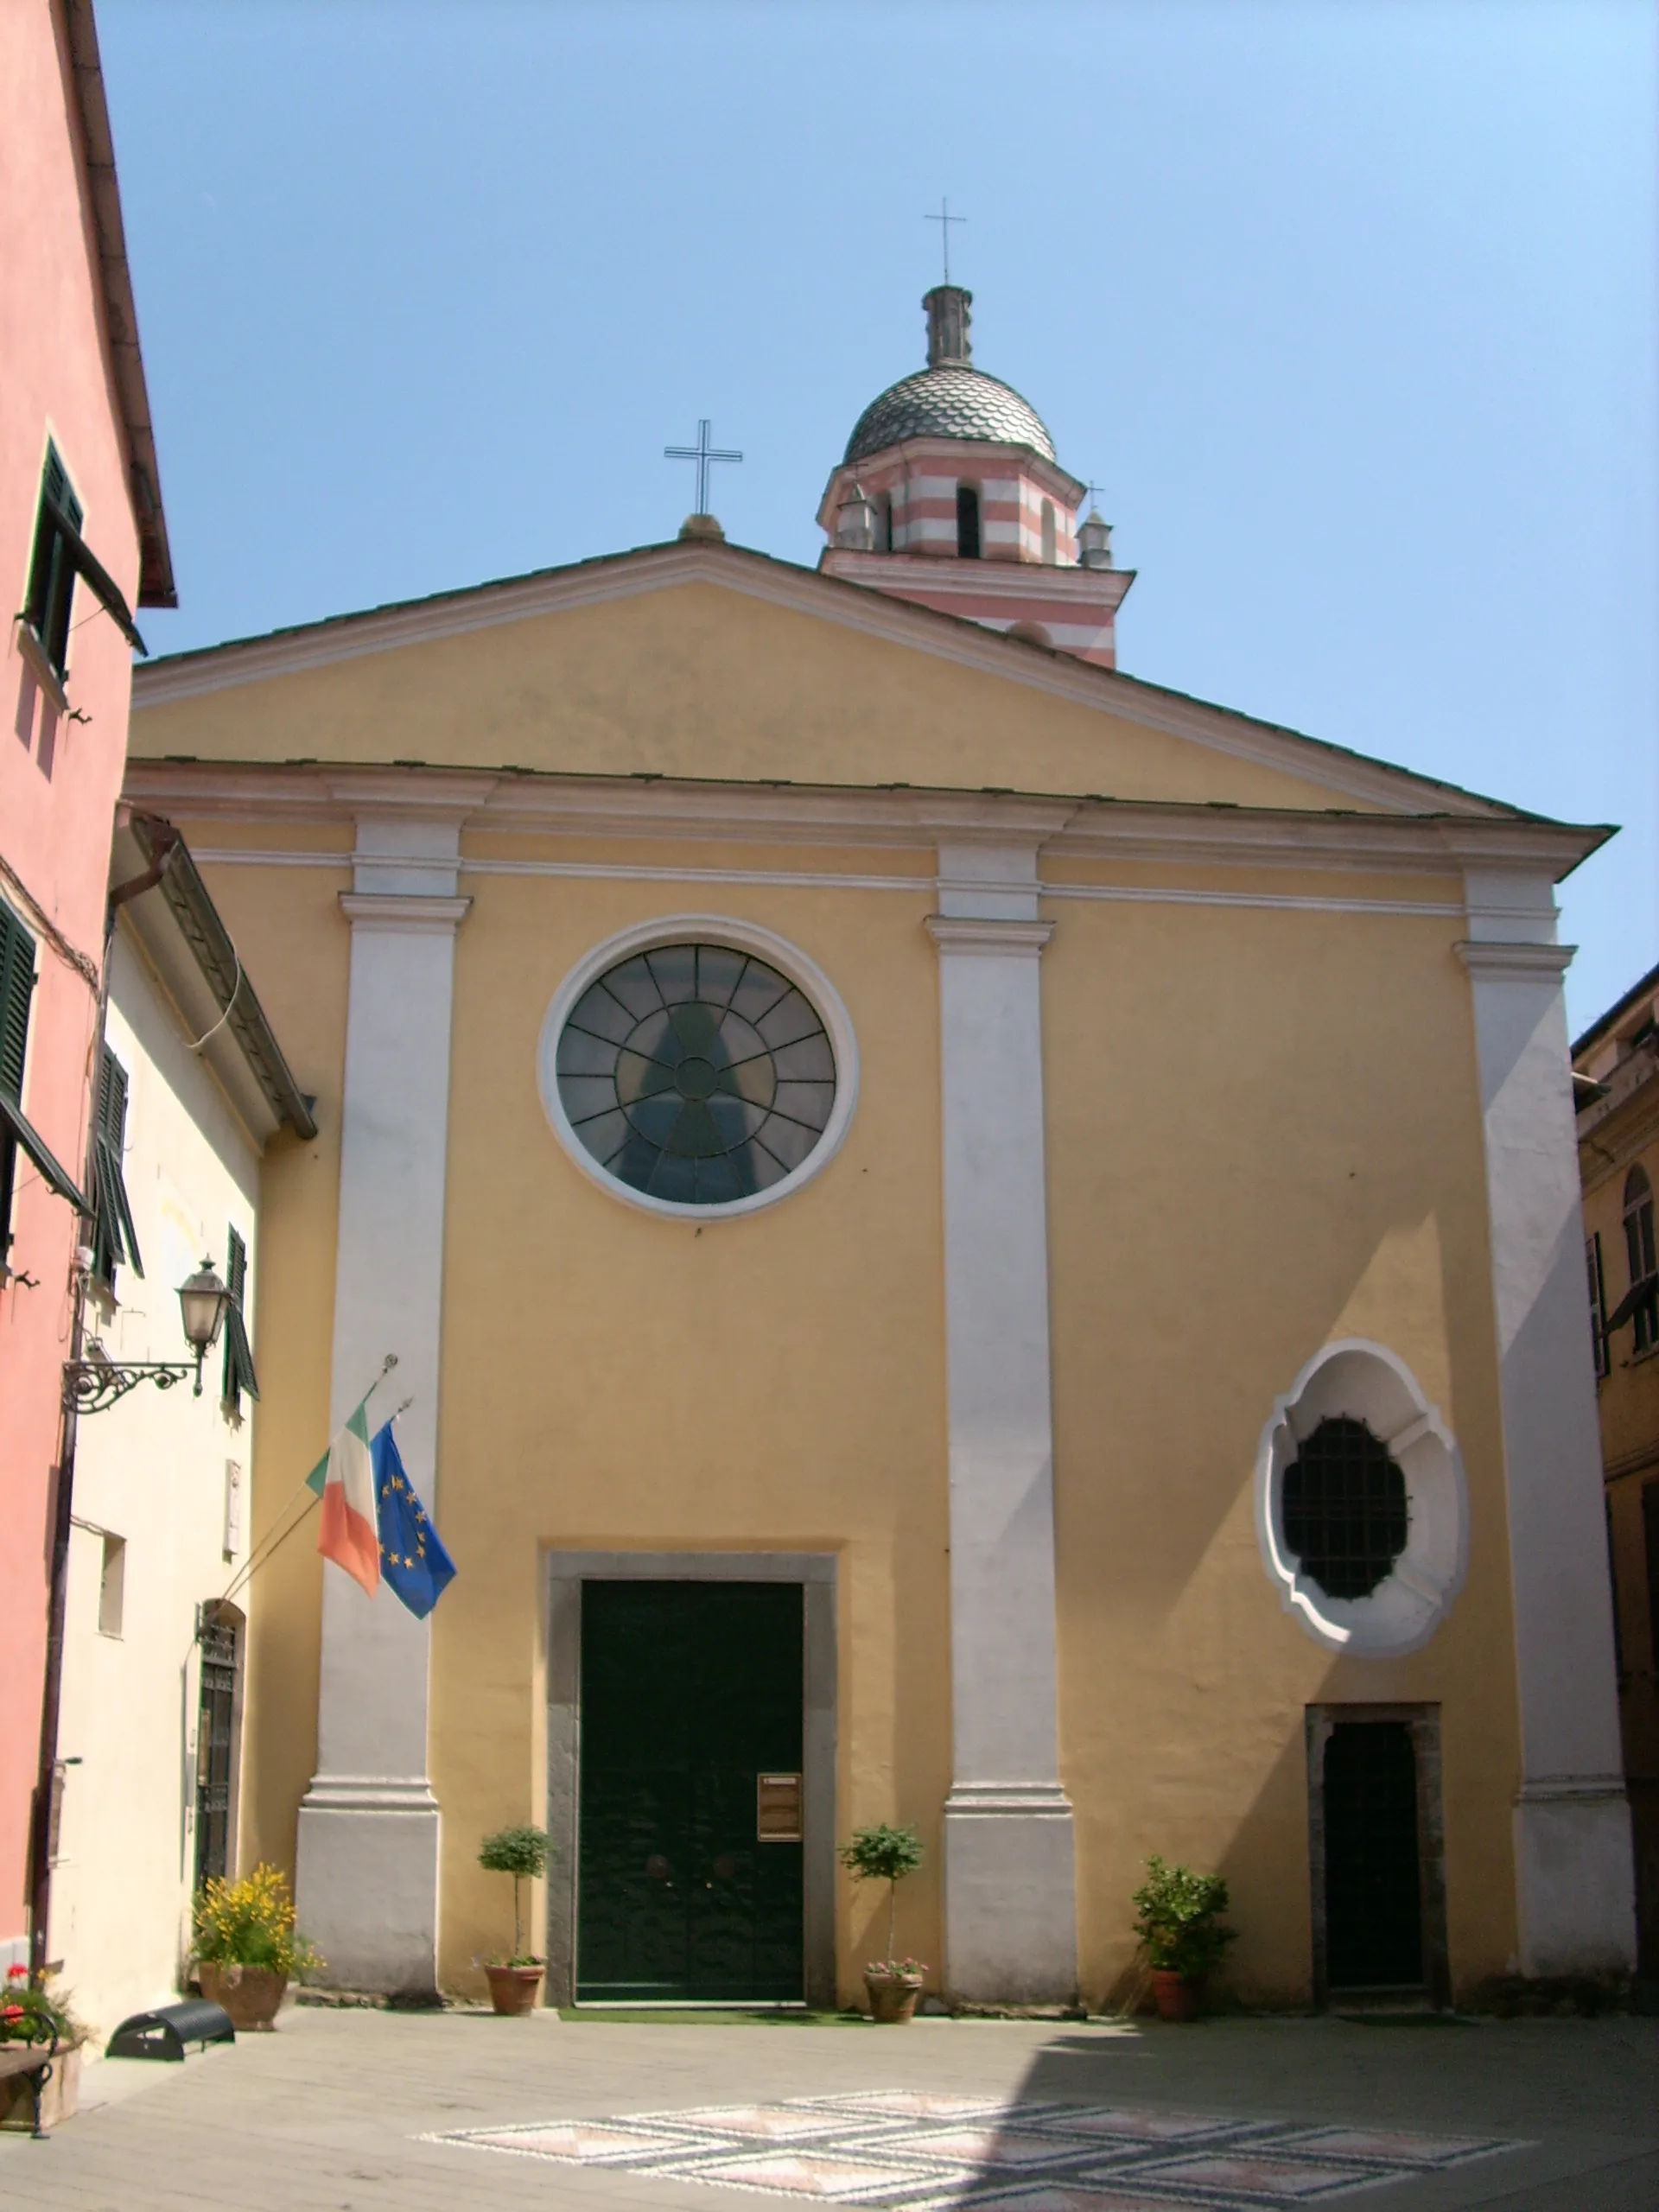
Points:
344	1478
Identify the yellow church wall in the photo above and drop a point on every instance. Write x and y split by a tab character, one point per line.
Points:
1265	1128
700	681
655	1385
587	1405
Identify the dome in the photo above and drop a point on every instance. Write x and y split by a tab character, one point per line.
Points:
949	401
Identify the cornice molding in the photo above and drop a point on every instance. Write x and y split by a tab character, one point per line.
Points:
1091	590
408	913
1506	960
976	934
1064	828
872	613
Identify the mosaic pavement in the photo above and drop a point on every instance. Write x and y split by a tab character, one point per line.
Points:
892	2149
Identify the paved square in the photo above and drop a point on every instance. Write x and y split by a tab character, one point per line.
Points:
387	2112
888	2150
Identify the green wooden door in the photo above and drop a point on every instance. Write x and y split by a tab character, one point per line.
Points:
690	1691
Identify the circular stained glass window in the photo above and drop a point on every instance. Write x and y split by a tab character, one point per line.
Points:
696	1073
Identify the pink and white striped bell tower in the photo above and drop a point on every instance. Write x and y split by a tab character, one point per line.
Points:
950	494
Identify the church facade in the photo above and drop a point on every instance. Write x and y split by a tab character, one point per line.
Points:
972	1242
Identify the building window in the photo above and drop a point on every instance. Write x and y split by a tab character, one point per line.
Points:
1598	1346
114	1238
16	989
113	1586
239	1359
52	567
884	523
16	1134
1639	1253
232	1508
696	1074
967	521
1344	1508
1362	1512
1049	554
220	1642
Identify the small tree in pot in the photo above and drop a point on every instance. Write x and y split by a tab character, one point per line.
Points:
884	1853
1178	1917
523	1852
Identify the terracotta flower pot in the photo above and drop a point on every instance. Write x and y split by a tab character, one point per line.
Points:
1177	1995
251	1995
892	1997
512	1989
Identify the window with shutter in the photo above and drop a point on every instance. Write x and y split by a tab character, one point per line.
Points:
52	569
16	988
238	1358
114	1238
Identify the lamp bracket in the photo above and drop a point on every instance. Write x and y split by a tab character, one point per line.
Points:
91	1386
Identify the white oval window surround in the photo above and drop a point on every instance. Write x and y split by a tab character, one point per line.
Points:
1361	1508
696	1067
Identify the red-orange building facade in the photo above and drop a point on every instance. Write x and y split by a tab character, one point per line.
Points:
82	540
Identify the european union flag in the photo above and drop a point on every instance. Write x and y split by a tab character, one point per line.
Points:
412	1559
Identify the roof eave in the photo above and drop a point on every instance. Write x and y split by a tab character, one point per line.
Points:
156	586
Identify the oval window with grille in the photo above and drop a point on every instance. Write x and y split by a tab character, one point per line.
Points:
1345	1508
696	1074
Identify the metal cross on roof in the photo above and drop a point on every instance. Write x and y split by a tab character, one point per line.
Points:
944	219
702	452
1091	492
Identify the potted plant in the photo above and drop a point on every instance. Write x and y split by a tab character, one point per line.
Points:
40	2056
1177	1918
883	1853
246	1947
523	1852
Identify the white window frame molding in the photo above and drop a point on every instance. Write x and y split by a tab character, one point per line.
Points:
742	937
1367	1381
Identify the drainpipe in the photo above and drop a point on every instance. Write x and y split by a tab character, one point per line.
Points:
40	1835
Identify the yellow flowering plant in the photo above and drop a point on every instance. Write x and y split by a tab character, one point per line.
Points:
251	1923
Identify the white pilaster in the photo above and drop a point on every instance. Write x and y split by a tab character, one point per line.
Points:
368	1831
1010	1885
1574	1863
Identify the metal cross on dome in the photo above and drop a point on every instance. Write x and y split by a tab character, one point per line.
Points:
702	452
944	219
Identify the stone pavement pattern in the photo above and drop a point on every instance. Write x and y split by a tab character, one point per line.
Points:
354	2112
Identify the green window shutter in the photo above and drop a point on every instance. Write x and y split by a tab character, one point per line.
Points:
16	988
238	1358
52	568
115	1238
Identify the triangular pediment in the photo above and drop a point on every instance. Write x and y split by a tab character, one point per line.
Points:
706	661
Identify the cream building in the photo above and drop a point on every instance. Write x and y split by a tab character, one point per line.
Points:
149	1727
975	1242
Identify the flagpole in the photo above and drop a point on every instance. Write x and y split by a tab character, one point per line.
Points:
269	1543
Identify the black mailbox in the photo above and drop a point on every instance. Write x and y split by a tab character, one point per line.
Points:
164	2032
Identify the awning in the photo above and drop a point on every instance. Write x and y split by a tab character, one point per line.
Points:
18	1125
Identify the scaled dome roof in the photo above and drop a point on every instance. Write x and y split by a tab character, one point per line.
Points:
949	401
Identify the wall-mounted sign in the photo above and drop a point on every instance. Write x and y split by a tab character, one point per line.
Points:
778	1808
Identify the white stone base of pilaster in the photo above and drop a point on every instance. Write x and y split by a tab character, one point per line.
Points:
1010	1894
367	1882
1575	1873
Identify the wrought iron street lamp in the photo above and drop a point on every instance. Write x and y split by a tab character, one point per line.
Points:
93	1384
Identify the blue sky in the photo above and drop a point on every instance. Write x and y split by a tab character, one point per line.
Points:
1348	306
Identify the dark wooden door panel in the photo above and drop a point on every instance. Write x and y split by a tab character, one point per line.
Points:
1373	1862
689	1691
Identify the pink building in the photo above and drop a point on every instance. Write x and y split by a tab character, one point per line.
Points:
949	493
82	539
